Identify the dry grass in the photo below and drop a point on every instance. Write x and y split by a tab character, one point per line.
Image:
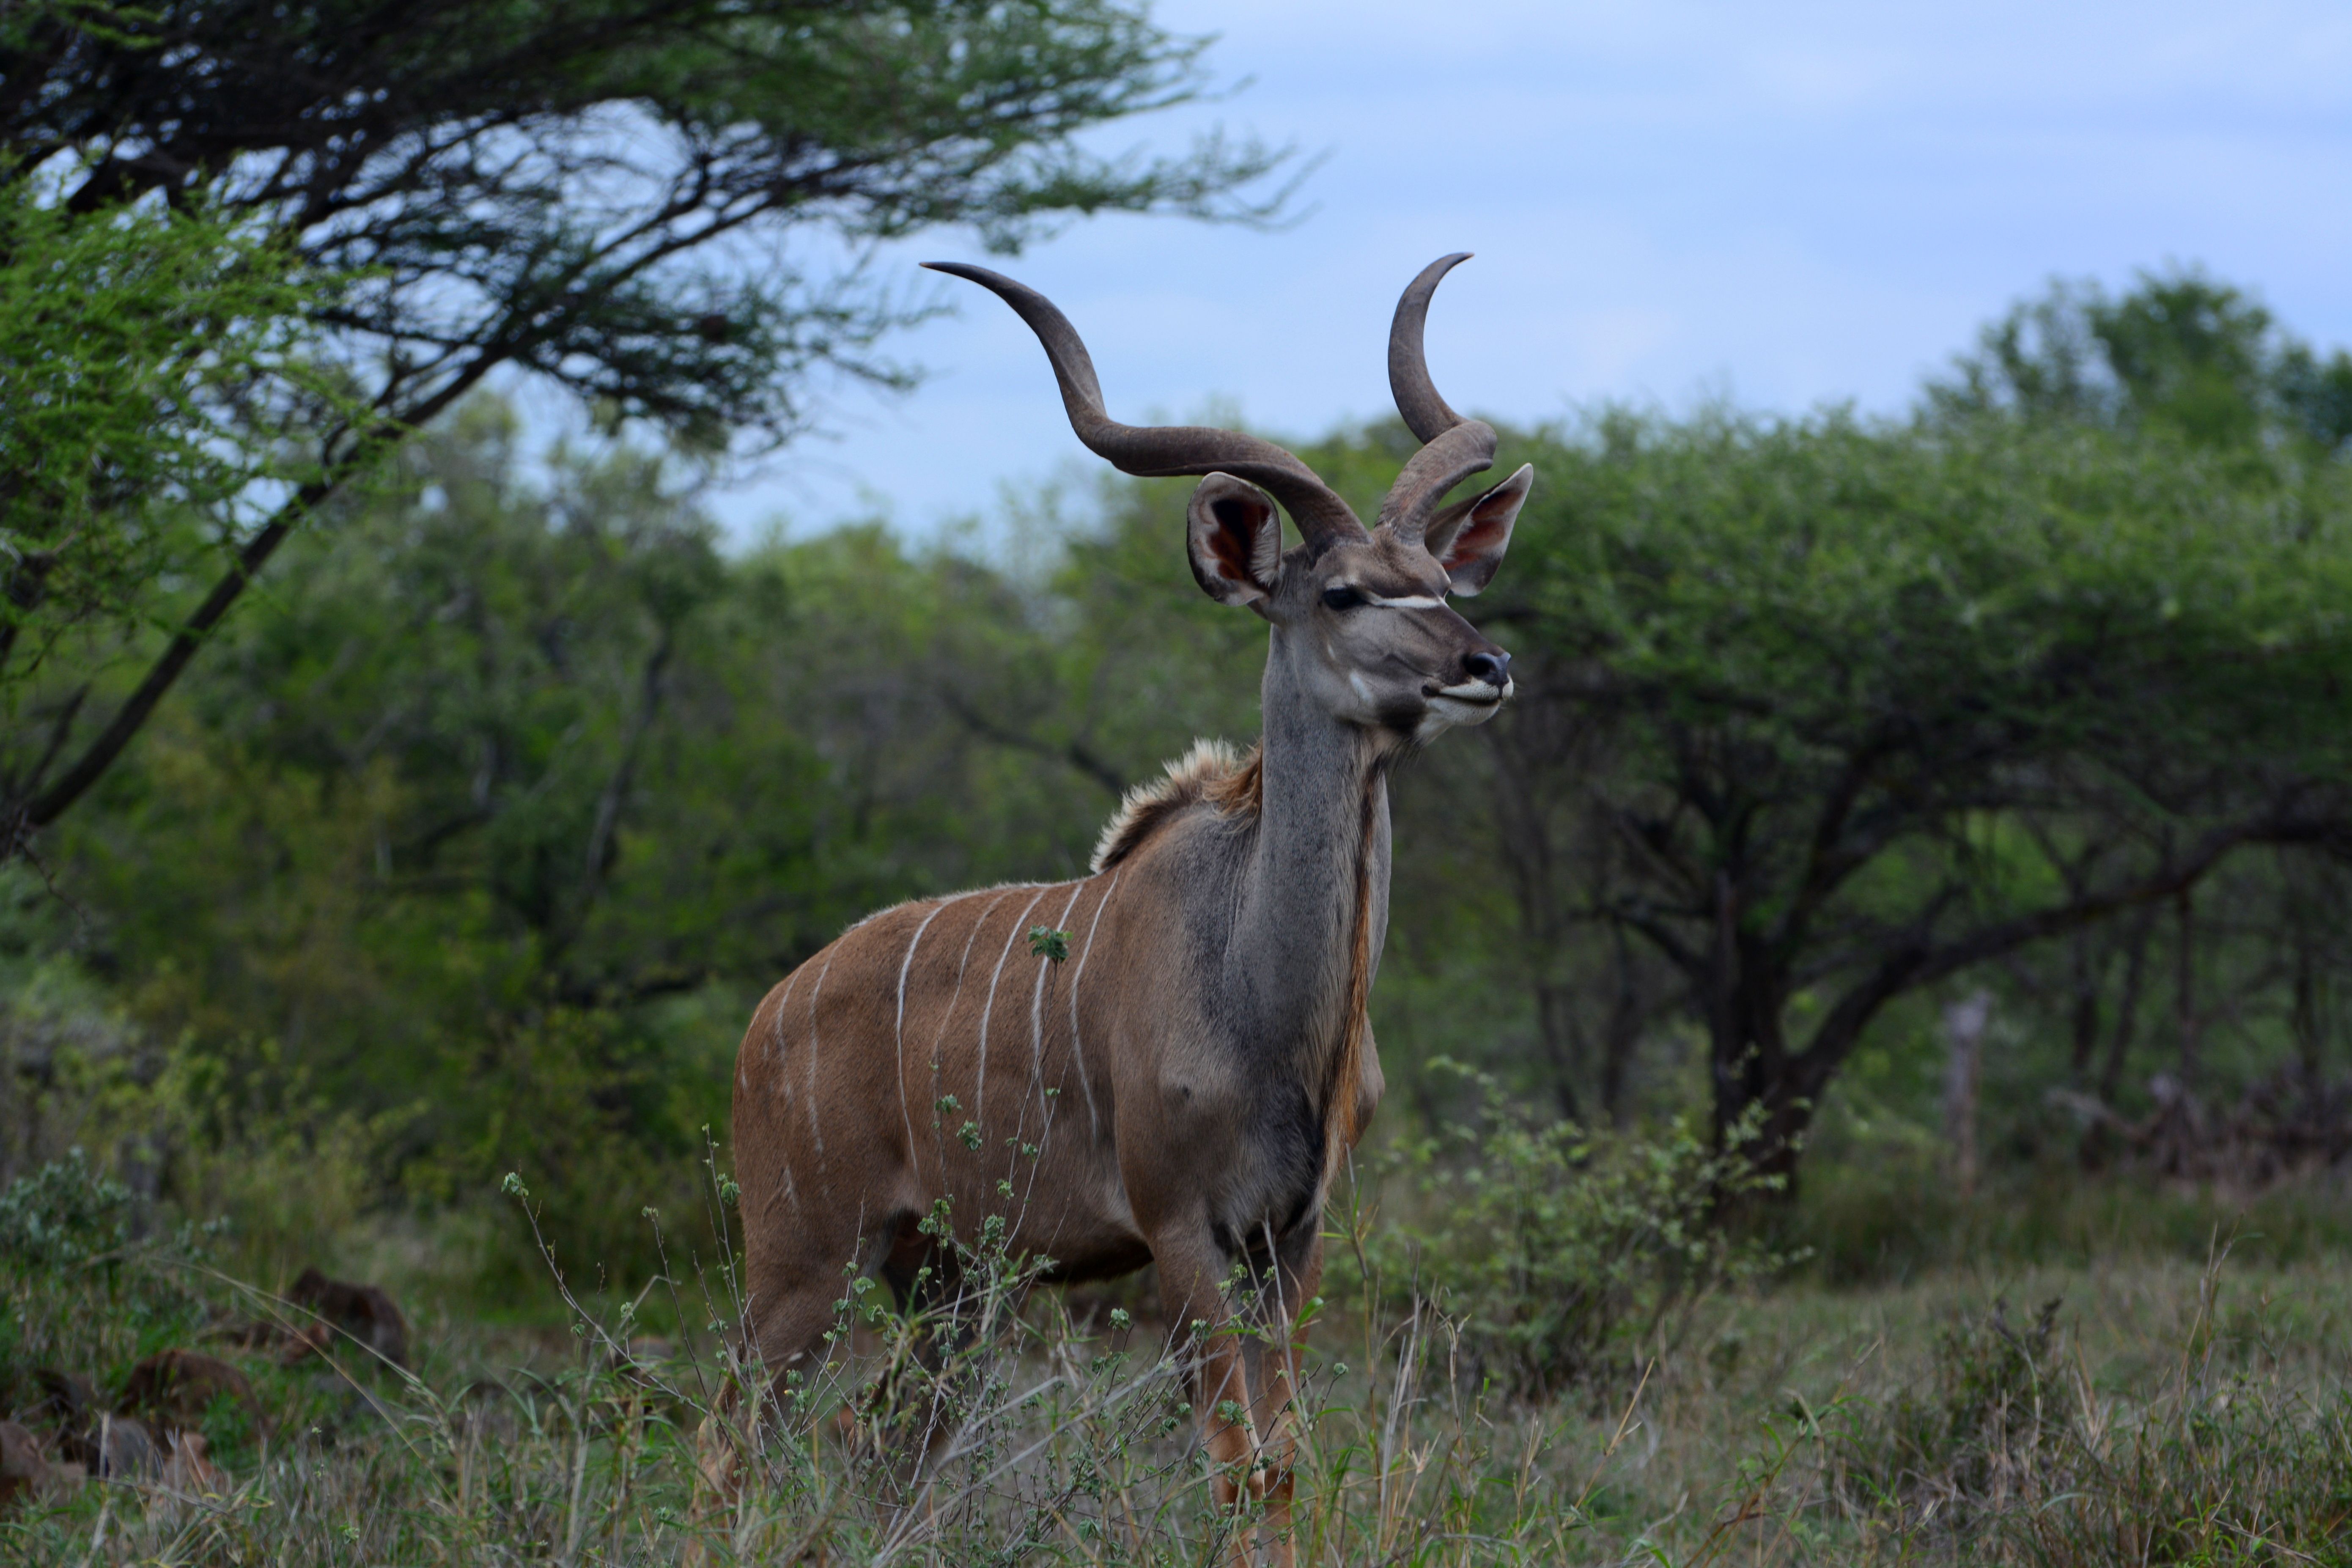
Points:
2163	1413
2127	1411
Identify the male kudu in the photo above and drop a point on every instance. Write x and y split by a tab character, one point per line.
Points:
1184	1090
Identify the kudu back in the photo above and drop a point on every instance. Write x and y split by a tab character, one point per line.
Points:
1181	1088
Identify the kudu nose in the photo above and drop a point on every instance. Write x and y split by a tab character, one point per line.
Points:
1491	666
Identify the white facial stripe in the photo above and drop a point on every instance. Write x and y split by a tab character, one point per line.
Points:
1417	602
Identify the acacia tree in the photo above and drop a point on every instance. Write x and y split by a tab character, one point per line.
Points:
660	206
152	365
1883	704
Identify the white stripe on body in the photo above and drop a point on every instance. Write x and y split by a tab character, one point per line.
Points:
905	1111
784	1084
776	1024
815	1130
1094	1120
948	1014
1037	995
1045	1106
980	1081
1037	1053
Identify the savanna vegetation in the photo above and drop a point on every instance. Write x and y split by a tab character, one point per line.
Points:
1864	1030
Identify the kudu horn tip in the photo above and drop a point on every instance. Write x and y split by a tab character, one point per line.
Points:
1426	413
965	270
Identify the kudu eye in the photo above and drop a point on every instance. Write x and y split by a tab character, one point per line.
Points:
1341	596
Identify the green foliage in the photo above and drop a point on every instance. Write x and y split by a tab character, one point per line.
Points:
2182	351
472	847
2184	1420
2002	1403
628	246
1882	1215
2012	1454
153	361
648	283
64	1214
88	1281
1839	711
1565	1256
2235	1474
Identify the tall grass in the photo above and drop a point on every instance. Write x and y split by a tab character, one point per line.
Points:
2138	1411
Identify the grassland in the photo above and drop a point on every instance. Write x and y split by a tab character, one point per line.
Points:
2147	1406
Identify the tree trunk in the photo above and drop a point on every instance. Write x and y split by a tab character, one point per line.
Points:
2111	1074
1761	1107
1965	1022
2098	1139
1563	1045
1626	1016
2185	991
2086	968
2305	1017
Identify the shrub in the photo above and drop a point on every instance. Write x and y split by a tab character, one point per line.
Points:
64	1213
80	1286
1569	1255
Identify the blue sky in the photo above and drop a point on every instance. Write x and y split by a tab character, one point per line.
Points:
1785	205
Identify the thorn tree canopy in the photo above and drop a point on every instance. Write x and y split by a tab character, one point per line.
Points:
1876	704
660	205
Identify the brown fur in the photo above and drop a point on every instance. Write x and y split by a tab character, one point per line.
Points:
1181	1086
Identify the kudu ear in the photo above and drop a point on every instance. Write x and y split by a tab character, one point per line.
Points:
1235	538
1469	537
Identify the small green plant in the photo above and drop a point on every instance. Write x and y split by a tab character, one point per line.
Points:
1995	1423
1566	1255
1046	942
66	1212
86	1280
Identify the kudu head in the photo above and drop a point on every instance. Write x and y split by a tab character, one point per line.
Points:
1361	628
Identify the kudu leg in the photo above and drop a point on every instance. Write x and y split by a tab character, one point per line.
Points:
1297	1274
789	1336
1202	1324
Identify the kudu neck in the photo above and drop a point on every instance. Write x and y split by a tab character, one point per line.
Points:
1315	894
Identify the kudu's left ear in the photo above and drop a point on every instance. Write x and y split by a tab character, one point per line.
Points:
1236	538
1469	537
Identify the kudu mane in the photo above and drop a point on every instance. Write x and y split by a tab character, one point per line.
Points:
1213	773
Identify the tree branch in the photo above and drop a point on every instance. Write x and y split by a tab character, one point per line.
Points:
1918	964
1076	754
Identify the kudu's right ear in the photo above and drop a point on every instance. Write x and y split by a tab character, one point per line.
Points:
1235	538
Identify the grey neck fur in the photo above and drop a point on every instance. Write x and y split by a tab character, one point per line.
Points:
1325	794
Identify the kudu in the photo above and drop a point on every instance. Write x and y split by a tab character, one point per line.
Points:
1181	1090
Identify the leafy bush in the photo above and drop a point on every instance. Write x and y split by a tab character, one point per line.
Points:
1569	1255
63	1214
81	1285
